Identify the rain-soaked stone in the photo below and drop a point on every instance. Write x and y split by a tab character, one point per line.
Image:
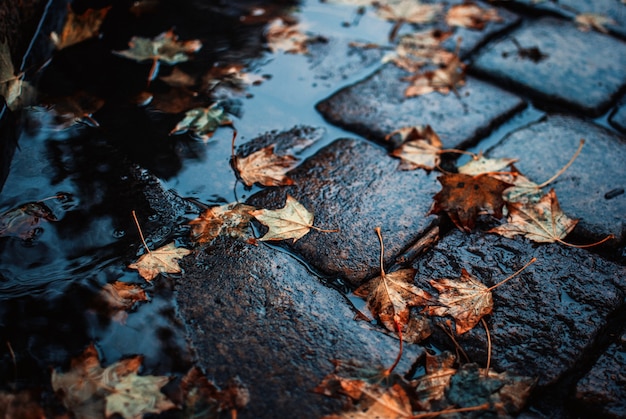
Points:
293	141
256	313
354	186
377	106
615	11
618	117
546	319
589	188
604	387
552	60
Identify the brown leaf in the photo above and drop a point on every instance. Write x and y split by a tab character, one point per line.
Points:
420	148
20	405
122	295
202	398
442	80
203	122
90	391
481	164
231	220
470	15
432	386
588	21
161	260
165	48
290	222
542	222
16	92
464	197
265	167
78	28
379	402
409	11
466	299
77	108
285	36
24	221
415	50
178	78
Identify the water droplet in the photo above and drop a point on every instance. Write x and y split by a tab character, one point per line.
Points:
153	217
118	234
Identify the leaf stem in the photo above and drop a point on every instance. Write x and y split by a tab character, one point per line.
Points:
483	406
564	168
141	233
530	262
482	319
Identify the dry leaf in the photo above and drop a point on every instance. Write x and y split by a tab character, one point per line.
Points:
415	50
90	391
77	108
202	398
161	260
481	164
442	80
20	405
78	28
231	76
265	167
542	222
287	37
420	148
464	197
432	386
203	122
466	299
178	78
290	222
470	15
231	220
588	21
164	48
381	403
522	189
122	295
24	221
407	11
15	91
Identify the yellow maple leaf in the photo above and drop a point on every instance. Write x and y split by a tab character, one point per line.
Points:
161	260
265	167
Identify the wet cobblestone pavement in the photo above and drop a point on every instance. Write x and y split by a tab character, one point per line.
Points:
277	315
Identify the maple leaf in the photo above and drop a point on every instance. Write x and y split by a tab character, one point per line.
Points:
390	295
287	37
481	164
120	296
463	197
432	386
24	221
78	28
161	260
163	48
442	80
542	222
203	121
265	167
202	398
77	108
407	11
16	92
231	76
380	402
522	189
290	222
470	15
227	220
588	21
90	391
420	148
466	299
418	49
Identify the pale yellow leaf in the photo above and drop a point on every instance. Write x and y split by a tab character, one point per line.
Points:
162	260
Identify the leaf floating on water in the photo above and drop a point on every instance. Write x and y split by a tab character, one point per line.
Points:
165	48
285	36
24	221
78	28
470	15
203	121
588	21
202	398
162	260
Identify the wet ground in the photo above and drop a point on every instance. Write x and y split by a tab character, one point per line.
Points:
276	315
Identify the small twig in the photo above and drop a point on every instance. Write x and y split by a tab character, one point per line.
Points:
483	406
140	232
564	168
458	347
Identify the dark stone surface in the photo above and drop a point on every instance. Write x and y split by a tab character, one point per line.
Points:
259	314
546	146
576	71
604	387
355	186
618	117
376	106
570	8
545	320
8	141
